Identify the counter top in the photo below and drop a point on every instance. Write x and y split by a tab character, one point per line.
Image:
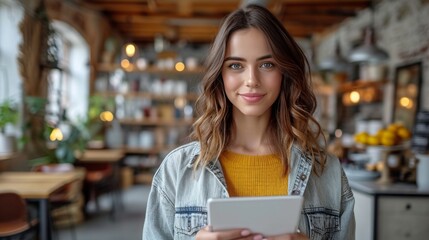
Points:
377	188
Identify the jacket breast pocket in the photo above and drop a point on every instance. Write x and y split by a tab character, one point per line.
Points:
188	221
324	223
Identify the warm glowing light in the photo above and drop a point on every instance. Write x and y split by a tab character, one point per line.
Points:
130	50
125	63
180	66
338	133
180	102
406	102
56	135
106	116
354	97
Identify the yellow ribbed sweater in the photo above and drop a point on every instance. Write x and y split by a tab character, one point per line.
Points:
253	175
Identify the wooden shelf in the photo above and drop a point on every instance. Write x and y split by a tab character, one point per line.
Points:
359	84
189	96
144	178
347	87
140	150
7	156
151	69
156	122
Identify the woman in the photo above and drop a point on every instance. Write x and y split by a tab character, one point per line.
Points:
255	136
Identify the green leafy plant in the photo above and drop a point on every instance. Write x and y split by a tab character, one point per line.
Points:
79	132
8	114
57	151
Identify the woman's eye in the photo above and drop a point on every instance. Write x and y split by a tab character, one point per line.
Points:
267	65
234	66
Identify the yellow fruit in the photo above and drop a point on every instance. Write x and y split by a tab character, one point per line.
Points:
361	138
373	140
387	141
380	132
388	134
404	133
393	127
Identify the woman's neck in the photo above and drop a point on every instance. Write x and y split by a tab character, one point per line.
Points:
250	135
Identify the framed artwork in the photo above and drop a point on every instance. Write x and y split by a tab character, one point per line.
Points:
406	99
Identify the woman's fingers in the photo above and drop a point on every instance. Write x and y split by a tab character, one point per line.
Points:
242	234
294	236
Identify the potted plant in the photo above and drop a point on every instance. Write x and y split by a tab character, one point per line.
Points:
39	132
8	116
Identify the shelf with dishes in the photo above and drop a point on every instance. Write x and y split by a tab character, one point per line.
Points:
156	122
149	69
148	95
154	150
153	107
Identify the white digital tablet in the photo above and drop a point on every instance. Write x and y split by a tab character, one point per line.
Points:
269	216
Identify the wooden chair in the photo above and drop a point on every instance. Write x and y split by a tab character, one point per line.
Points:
98	180
17	221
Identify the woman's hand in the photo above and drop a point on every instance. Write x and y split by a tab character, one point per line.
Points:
294	236
242	234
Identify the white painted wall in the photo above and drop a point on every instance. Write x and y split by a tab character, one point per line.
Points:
10	38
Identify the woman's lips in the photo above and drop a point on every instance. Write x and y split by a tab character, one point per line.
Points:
252	97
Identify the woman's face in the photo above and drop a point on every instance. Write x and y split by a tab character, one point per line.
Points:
251	77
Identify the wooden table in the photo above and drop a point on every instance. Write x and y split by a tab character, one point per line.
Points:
101	156
37	186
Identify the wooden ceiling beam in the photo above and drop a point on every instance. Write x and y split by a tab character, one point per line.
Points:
314	18
314	2
198	20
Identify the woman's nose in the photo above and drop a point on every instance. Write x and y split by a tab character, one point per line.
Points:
252	78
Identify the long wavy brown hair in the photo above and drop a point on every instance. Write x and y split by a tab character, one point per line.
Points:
292	121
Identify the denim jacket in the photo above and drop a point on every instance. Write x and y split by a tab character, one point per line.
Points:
177	201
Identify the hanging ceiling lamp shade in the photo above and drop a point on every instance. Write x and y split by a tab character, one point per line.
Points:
336	63
368	52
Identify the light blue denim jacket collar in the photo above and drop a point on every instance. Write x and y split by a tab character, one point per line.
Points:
300	164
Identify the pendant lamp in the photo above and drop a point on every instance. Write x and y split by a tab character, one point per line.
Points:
368	52
336	63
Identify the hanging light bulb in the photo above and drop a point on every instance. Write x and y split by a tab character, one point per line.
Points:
335	63
56	135
130	50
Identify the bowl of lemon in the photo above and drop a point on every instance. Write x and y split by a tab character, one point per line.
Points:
394	137
394	134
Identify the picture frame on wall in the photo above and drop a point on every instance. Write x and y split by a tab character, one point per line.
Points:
407	94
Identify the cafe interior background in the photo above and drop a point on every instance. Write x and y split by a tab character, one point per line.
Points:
106	89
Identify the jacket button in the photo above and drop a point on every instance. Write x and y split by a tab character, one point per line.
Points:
296	192
303	177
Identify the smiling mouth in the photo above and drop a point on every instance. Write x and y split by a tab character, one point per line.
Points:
252	97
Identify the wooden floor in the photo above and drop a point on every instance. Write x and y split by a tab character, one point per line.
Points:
100	226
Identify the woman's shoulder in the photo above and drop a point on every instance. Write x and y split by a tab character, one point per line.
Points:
176	163
183	155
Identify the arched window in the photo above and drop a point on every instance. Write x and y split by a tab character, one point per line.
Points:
69	84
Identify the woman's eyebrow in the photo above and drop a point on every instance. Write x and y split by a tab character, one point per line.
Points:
234	59
265	57
242	59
